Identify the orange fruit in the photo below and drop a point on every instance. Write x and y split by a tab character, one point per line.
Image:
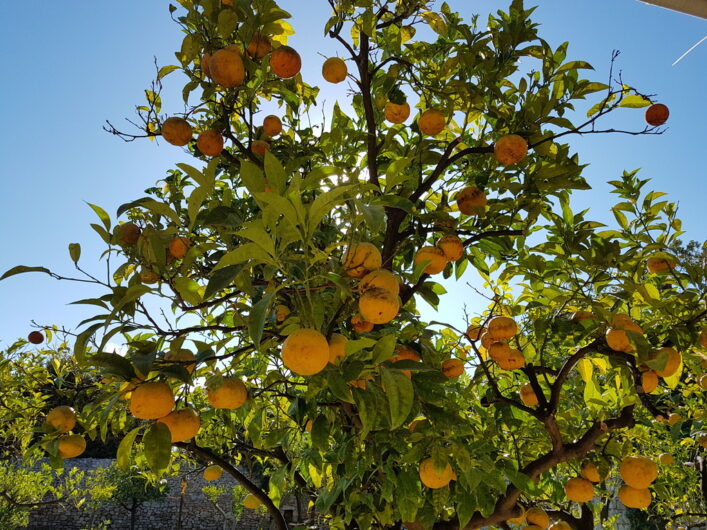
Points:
360	325
580	316
360	259
514	361
334	70
251	502
436	258
431	122
213	472
150	401
659	265
272	126
227	393
337	347
502	327
453	367
433	479
281	312
538	517
35	337
62	418
226	68
182	358
579	490
499	351
210	143
618	340
471	201
205	64
285	62
71	445
405	352
649	381
305	352
127	234
527	395
638	471
474	332
176	131
487	339
259	46
666	459
635	497
178	247
308	426
657	114
260	147
510	149
671	364
378	306
625	322
452	247
590	471
396	113
381	279
183	424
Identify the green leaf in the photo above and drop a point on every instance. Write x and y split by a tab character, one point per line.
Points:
157	443
435	22
398	389
338	387
74	252
227	22
113	364
367	409
256	318
158	208
574	65
384	348
320	433
166	70
274	172
194	203
221	279
634	101
102	215
125	449
323	204
21	269
197	176
246	252
188	289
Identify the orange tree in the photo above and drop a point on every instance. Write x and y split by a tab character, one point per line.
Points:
271	288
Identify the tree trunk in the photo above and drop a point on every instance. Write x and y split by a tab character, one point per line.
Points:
133	514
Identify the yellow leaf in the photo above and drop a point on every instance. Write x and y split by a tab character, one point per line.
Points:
601	364
585	368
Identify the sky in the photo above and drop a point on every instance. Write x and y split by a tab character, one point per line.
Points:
67	70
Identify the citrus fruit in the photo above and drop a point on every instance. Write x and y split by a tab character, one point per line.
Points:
272	126
150	401
538	517
361	258
127	234
210	143
590	471
451	246
527	395
35	337
305	352
226	68
213	472
62	418
381	279
258	47
251	501
453	367
337	347
285	62
657	114
638	471
434	479
176	131
360	325
635	497
183	424
396	113
71	445
334	70
579	490
378	306
431	122
227	393
178	247
471	201
502	327
659	265
435	256
510	149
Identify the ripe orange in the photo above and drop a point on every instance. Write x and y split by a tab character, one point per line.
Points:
431	122
397	113
62	418
590	471
659	265
527	395
260	147
433	479
210	143
178	247
487	339
150	401
182	357
360	325
666	459
35	337
638	471
451	246
453	367
176	131
514	361
213	472
502	327
436	258
226	68
378	306
285	62
381	279
227	393
337	347
71	445
471	201
362	258
127	234
499	351
251	502
305	352
183	424
671	365
635	497
272	126
474	332
259	46
334	70
579	490
510	149
657	114
625	322
403	352
538	517
649	381
618	340
205	64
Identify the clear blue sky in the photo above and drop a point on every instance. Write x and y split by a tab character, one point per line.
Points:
67	69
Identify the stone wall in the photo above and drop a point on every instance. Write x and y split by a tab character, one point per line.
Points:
198	512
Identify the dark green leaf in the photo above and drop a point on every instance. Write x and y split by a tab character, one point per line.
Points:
125	449
158	447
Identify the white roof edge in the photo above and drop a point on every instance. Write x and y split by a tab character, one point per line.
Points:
696	8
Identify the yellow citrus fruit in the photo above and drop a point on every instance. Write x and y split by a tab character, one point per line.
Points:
62	418
520	518
527	395
259	46
433	479
502	327
305	352
580	316
308	426
362	258
453	367
182	358
378	306
499	350
618	340
436	258
510	149
452	247
380	279
71	445
487	340
649	381
538	517
659	265
127	234
337	347
150	401
360	325
396	113
638	471
281	312
625	322
590	471
272	126
471	201
178	247
635	497
405	352
183	424
672	364
431	122
205	64
579	490
666	459
176	131
213	472
334	70
251	502
285	62
474	332
226	68
260	147
210	143
514	361
227	393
